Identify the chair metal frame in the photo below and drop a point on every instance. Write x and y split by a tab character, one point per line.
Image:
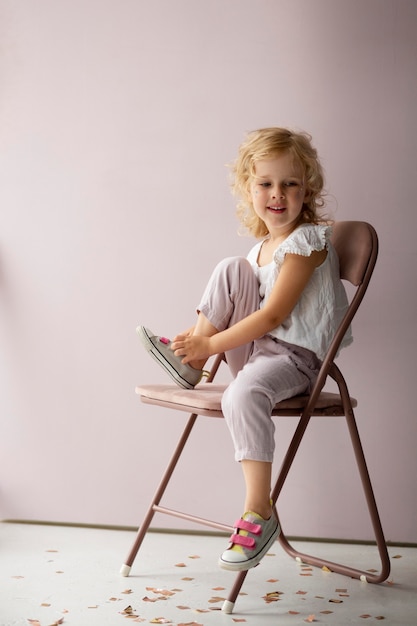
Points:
318	403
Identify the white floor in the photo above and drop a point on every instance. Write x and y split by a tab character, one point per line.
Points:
53	575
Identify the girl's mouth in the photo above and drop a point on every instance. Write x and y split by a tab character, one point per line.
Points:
277	209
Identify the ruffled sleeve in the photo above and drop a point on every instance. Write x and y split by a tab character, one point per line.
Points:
304	240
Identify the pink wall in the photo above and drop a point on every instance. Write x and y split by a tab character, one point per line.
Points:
116	120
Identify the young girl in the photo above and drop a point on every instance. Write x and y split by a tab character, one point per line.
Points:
273	314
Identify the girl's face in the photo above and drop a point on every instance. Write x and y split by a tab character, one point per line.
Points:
278	192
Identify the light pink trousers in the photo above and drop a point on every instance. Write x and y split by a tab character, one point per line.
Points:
265	371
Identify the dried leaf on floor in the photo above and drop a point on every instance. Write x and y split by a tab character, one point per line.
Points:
365	616
294	612
218	588
378	617
326	569
188	578
272	596
57	622
397	556
162	592
34	622
126	591
180	565
182	607
272	580
335	600
194	556
238	619
216	599
190	624
310	618
160	620
340	590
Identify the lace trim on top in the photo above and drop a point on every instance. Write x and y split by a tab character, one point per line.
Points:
304	240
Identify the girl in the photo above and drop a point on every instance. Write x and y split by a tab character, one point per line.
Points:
273	314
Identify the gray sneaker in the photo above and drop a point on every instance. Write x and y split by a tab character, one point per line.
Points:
160	349
252	538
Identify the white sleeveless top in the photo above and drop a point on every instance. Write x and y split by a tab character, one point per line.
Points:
315	318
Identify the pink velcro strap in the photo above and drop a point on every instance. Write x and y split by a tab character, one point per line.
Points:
243	524
164	340
242	540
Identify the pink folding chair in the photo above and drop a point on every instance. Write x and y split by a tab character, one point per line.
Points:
357	246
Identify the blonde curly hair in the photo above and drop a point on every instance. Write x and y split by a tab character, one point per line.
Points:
265	143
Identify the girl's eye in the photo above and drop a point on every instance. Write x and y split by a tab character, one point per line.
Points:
265	185
291	183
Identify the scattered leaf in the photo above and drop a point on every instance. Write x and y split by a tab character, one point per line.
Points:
238	619
294	612
180	565
187	578
365	616
341	590
216	599
190	624
126	591
160	620
182	608
310	618
272	580
336	601
326	569
45	604
326	612
34	622
380	617
301	593
58	621
218	588
194	556
397	556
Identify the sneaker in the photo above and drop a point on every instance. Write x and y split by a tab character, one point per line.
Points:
160	348
252	537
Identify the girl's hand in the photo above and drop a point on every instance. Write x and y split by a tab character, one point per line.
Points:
191	347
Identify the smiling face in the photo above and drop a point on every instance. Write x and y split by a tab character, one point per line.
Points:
278	192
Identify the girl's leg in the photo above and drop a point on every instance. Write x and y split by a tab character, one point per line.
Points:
257	476
232	294
275	371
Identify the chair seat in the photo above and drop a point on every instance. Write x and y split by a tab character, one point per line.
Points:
205	399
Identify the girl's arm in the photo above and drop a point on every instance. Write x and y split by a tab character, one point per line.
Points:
293	277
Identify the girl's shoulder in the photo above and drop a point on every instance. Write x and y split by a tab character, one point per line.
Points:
304	240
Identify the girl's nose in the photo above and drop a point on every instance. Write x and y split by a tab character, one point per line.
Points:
277	193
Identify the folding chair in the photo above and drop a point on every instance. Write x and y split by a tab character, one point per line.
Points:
357	246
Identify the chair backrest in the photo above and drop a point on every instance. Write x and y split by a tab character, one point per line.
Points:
356	244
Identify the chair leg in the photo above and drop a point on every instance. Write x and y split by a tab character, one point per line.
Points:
126	567
229	604
369	494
